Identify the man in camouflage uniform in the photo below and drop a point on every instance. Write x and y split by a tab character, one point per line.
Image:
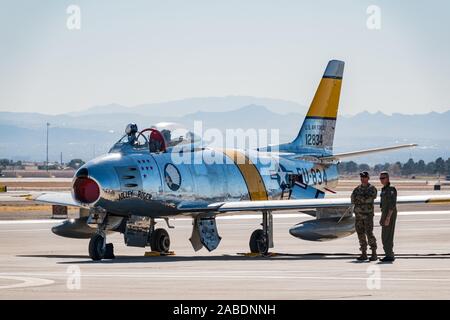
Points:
363	198
388	216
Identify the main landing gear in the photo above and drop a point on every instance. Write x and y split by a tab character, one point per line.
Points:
159	238
99	249
262	239
160	241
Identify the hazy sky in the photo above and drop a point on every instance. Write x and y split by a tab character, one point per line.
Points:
134	52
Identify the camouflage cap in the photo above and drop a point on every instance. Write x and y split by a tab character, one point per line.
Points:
364	174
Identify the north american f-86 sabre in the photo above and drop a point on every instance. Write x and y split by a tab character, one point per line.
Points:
155	174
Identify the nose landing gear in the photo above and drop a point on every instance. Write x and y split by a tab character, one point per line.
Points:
99	249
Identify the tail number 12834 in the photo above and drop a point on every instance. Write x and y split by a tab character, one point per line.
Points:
314	139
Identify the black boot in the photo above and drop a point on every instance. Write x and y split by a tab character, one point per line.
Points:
388	259
363	256
374	256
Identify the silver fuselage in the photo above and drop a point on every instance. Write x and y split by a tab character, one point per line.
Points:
134	181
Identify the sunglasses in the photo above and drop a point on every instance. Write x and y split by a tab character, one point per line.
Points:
382	178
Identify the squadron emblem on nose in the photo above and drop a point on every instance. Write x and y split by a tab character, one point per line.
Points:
172	177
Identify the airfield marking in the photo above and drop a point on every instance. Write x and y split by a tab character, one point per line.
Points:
39	282
49	221
25	282
23	230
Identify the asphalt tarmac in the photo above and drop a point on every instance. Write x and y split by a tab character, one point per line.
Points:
36	264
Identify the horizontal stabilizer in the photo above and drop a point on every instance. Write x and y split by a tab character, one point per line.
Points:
352	154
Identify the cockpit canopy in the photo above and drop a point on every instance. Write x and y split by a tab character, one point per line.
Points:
161	137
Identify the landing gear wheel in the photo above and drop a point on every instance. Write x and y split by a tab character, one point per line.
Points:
97	248
160	241
109	251
258	242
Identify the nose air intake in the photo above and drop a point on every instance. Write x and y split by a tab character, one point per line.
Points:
86	190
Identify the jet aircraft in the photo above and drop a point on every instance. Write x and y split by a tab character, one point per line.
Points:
139	181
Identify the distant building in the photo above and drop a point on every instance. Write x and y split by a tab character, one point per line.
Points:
30	167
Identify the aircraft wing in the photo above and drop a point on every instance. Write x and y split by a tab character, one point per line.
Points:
65	199
352	154
57	198
275	205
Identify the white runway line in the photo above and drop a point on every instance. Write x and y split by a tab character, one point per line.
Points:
237	217
420	213
48	221
251	276
25	282
23	230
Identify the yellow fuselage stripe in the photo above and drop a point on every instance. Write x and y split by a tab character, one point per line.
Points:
326	100
253	180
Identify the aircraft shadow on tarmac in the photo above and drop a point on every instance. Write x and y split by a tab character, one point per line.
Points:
278	256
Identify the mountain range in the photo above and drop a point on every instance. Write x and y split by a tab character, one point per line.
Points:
92	131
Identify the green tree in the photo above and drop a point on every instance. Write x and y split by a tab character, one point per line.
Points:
420	167
430	168
378	168
5	162
363	167
440	166
386	166
75	163
352	167
409	168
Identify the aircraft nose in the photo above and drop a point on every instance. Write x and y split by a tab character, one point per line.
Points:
86	190
91	181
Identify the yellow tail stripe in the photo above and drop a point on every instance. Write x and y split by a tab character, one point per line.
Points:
326	100
253	180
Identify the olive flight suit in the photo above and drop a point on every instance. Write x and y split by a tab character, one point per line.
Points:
388	202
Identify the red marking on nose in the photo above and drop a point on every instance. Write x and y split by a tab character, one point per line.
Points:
86	190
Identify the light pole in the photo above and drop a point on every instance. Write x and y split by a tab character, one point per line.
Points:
46	162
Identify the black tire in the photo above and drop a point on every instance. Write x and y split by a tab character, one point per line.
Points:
258	242
96	249
109	251
160	241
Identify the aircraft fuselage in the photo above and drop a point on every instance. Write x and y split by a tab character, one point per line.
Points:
156	184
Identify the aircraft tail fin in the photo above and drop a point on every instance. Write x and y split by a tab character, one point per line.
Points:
317	132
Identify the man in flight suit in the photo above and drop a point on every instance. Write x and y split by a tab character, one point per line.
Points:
363	198
388	216
131	131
